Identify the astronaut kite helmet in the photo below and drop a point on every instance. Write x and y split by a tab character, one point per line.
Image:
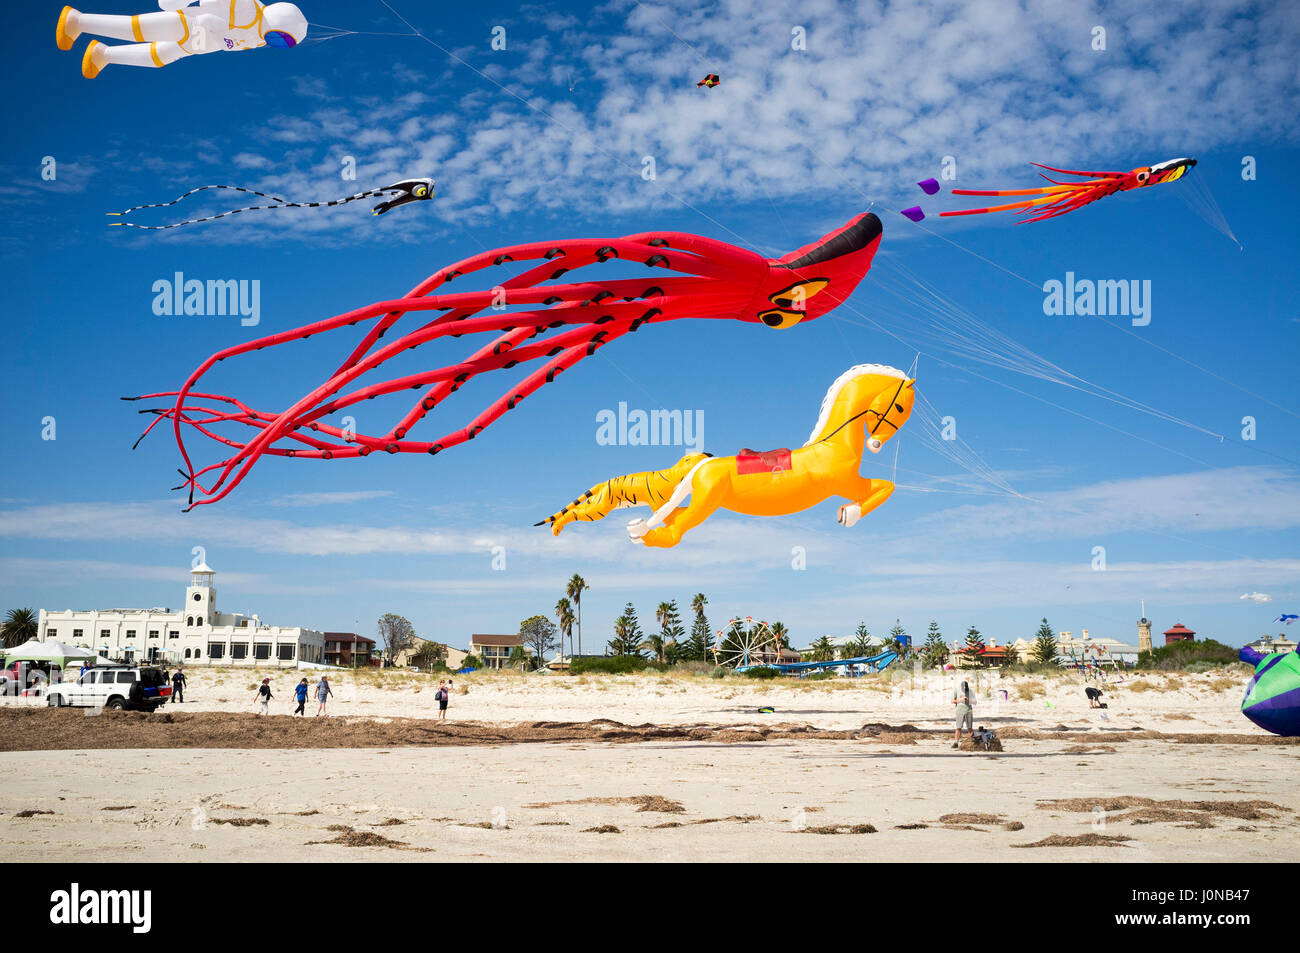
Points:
283	25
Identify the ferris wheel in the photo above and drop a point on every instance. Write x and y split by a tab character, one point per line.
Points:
745	642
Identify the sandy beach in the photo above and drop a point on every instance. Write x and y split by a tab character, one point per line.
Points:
657	767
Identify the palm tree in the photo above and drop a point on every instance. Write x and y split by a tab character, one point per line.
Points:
698	602
574	590
20	626
564	616
823	650
701	634
781	634
665	612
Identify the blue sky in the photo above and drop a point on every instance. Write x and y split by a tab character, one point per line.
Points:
546	139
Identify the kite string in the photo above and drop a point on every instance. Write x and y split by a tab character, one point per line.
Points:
698	55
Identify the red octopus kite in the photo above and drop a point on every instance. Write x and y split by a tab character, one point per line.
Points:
1062	197
691	277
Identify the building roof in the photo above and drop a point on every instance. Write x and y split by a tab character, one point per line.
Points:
1179	629
495	640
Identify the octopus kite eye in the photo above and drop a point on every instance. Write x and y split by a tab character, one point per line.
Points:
781	319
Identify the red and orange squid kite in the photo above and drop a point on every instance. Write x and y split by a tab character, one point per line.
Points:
702	278
1062	197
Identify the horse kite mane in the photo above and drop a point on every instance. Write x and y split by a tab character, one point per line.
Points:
828	402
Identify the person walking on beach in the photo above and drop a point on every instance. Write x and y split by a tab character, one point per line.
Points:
442	695
300	693
323	693
178	686
264	696
964	700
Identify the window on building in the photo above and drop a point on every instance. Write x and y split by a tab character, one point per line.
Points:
153	633
103	633
285	653
238	650
198	620
189	620
51	633
130	633
216	650
262	650
76	633
173	634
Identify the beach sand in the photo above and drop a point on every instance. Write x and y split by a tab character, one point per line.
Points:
657	768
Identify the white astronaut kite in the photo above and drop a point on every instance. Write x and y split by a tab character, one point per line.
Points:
182	28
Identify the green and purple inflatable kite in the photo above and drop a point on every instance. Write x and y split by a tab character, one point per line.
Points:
1272	698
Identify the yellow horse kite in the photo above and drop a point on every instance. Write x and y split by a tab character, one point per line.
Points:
865	406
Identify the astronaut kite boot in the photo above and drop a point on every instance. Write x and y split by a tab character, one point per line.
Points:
96	59
67	32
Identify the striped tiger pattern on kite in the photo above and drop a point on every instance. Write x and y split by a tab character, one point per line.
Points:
651	488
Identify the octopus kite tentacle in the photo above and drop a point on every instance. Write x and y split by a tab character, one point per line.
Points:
558	324
1059	198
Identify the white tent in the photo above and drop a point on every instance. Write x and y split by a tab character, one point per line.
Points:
60	653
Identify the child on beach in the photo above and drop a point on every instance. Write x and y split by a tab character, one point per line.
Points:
964	701
442	695
264	696
300	693
322	695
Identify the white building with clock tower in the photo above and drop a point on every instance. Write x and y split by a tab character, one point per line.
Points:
199	634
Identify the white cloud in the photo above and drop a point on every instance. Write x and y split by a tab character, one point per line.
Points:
1229	499
878	97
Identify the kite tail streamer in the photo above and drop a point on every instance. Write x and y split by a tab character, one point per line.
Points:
408	190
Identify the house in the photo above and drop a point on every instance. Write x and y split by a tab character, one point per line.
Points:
199	634
495	650
455	657
1089	649
991	655
1273	643
1179	633
840	642
348	649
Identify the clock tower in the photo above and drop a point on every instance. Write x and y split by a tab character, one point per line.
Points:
201	596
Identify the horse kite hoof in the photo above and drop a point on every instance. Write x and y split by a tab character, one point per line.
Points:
849	514
636	529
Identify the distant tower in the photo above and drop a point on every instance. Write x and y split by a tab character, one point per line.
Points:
1144	634
1144	630
201	596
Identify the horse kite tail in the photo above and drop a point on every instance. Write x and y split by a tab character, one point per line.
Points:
651	488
